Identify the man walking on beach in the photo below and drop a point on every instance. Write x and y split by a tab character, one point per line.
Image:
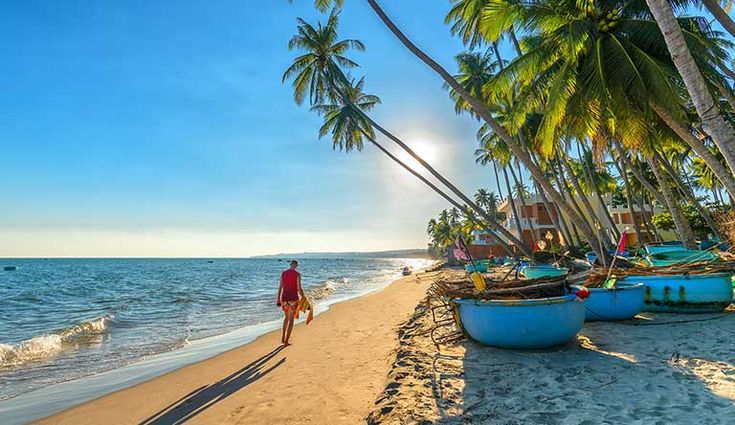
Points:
289	292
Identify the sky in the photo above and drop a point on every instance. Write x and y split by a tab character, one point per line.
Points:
139	128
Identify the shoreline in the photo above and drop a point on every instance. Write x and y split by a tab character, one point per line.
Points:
136	402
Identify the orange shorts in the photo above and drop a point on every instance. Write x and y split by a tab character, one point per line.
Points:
289	305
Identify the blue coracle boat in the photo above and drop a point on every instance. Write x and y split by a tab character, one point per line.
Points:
543	270
621	303
521	324
670	258
478	267
697	293
664	247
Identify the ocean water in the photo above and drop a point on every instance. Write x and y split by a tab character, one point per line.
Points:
66	319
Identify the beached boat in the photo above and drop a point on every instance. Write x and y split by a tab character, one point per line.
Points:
682	293
543	270
623	302
655	248
670	258
521	324
480	266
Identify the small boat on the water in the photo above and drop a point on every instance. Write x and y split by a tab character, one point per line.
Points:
10	268
543	270
521	324
670	258
622	302
685	293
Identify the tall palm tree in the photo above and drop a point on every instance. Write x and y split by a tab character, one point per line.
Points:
709	112
319	72
482	110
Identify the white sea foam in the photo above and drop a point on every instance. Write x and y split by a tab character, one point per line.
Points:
44	346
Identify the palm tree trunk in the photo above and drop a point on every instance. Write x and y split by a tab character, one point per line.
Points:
722	173
516	217
682	226
689	196
585	201
555	219
482	213
722	17
715	125
638	174
490	229
522	196
483	112
567	194
497	180
514	39
587	167
620	166
652	230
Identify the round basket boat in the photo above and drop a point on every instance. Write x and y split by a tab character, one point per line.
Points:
694	293
480	266
521	324
543	270
621	303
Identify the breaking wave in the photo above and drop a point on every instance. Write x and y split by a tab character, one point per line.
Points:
44	346
325	289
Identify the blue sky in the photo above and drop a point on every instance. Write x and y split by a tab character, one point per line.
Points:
138	128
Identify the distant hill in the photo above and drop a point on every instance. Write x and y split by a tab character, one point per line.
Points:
400	253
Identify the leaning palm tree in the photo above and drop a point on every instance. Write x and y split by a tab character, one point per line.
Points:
707	109
322	77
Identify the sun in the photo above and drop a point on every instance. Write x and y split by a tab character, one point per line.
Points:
426	149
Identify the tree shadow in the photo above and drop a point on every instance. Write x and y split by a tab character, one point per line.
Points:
207	396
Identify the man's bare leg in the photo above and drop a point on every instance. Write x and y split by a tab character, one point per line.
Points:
290	318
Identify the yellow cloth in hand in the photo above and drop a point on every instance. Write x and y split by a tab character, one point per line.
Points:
305	305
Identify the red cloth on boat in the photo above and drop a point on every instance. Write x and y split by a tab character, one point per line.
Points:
290	280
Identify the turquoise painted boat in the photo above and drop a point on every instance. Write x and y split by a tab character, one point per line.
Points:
670	258
664	247
543	270
621	303
521	324
479	266
696	293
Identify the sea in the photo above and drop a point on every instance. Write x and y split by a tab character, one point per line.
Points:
72	329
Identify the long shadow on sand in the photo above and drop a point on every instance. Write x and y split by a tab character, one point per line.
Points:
207	396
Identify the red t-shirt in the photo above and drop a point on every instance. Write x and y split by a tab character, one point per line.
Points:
290	279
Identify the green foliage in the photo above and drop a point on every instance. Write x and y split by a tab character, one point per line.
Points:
664	221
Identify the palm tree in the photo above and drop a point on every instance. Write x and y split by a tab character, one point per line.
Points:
721	15
319	73
709	112
317	70
481	109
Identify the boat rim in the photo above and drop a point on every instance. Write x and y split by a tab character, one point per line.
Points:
519	303
670	276
622	286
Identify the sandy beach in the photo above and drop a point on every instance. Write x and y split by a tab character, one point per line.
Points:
331	373
655	369
372	360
